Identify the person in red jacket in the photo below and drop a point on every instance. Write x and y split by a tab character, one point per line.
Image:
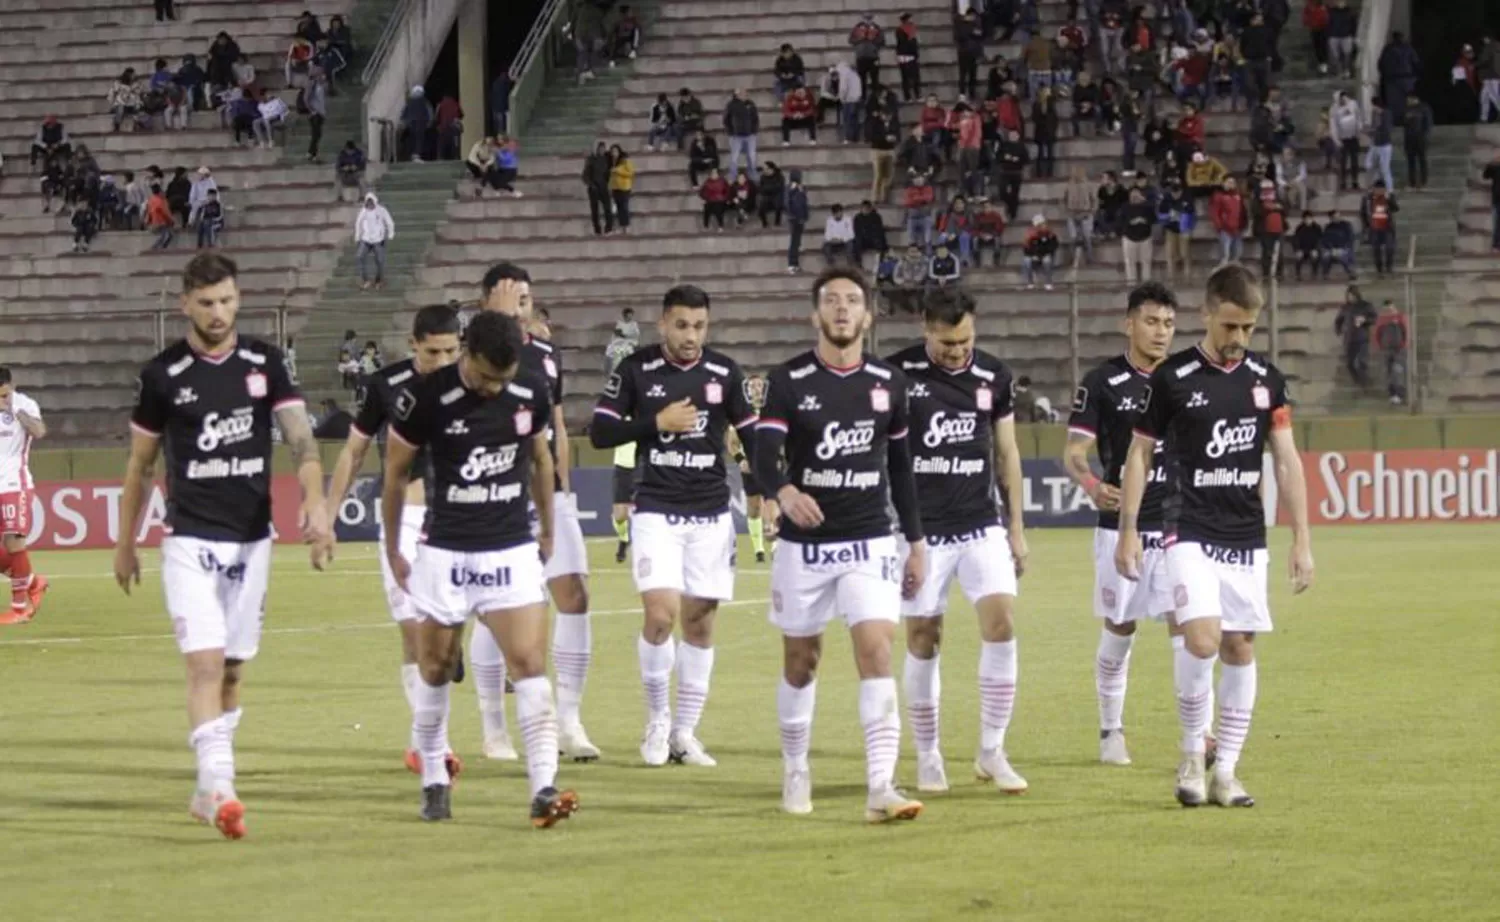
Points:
1190	133
1315	21
1227	212
918	200
1009	108
716	195
798	111
989	231
970	132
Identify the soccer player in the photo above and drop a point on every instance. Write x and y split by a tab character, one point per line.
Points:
963	444
676	400
212	398
483	422
1217	405
755	524
841	418
1106	408
20	425
434	344
507	288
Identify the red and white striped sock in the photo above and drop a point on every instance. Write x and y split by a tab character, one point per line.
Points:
429	731
923	683
794	711
1237	688
881	719
572	645
656	674
1111	672
695	668
1194	679
998	673
20	580
538	720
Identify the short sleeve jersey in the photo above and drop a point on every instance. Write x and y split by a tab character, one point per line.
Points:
838	424
376	400
681	472
479	448
214	415
15	444
953	415
1216	419
541	360
1106	408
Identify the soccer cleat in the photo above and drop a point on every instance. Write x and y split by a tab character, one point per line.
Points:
760	556
655	746
932	775
992	765
1228	792
14	615
1191	791
796	791
222	810
414	763
437	803
551	806
574	744
890	804
39	587
620	549
1112	749
498	746
683	748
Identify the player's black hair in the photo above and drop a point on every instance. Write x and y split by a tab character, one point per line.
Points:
207	269
496	338
4	376
835	273
684	296
499	272
947	307
1234	284
1150	293
435	320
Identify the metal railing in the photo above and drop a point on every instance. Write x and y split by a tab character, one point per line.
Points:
534	62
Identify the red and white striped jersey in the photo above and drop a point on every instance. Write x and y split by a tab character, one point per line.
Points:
15	444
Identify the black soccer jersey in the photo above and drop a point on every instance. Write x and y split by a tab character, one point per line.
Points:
376	399
1216	419
682	472
541	359
953	415
214	416
1106	408
480	455
843	430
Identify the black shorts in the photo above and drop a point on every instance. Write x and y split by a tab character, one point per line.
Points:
624	485
752	486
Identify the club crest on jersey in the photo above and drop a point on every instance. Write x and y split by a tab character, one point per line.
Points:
880	400
1262	397
713	392
255	383
523	422
984	399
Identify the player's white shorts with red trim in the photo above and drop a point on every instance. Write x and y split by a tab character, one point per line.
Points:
569	554
1220	582
411	533
813	583
1122	601
15	513
452	586
980	560
692	554
216	593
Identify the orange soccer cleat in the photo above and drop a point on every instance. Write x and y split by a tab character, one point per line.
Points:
39	587
14	615
224	811
414	764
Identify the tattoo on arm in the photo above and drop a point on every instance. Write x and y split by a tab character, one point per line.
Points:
296	431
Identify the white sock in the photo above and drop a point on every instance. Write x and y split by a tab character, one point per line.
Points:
656	674
487	667
794	710
213	743
572	643
923	683
1194	679
538	720
429	730
695	667
411	675
997	692
1111	672
1237	686
881	718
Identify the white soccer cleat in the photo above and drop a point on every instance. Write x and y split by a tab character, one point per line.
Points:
992	765
684	749
1112	749
1228	792
573	743
890	804
498	746
655	746
796	791
932	775
1191	785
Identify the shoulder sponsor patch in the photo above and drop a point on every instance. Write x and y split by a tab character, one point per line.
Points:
254	358
1119	379
525	393
653	364
179	366
798	373
882	373
1080	399
717	369
402	377
983	374
612	385
450	397
404	403
1189	368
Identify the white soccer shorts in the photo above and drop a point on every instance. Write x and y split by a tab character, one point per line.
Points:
981	562
216	593
1122	601
812	583
1224	583
569	554
692	554
451	586
411	533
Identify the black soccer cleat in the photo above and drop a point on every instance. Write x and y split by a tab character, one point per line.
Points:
620	549
437	803
551	806
760	556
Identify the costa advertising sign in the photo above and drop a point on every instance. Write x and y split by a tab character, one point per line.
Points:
1357	487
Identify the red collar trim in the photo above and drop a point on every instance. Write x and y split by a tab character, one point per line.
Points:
216	359
844	371
679	365
1230	367
1136	368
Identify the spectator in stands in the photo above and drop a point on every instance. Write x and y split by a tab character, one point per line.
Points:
743	198
500	102
159	218
1044	122
132	202
51	141
1190	133
1080	204
1353	325
341	39
587	27
1378	157
1343	24
373	229
869	233
1001	73
596	167
968	35
1268	217
885	281
625	38
416	124
55	180
1086	99
1132	115
165	10
741	123
1291	179
1258	48
689	116
1416	132
1039	253
621	185
1378	214
244	73
1112	198
180	195
797	215
240	112
1227	212
851	91
203	184
884	134
943	269
298	62
828	95
772	192
970	138
273	115
867	38
1390	337
910	279
348	361
798	112
222	55
449	127
349	171
716	193
1399	66
1136	222
210	221
1178	216
85	226
789	72
1466	85
1326	143
124	98
915	156
1030	406
1345	122
1338	245
307	27
909	59
1307	245
625	339
918	200
1010	170
315	104
1069	57
838	236
989	232
1037	54
703	156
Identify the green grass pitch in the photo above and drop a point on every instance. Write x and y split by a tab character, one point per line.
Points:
1373	759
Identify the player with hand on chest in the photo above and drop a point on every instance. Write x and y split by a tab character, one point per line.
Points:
963	445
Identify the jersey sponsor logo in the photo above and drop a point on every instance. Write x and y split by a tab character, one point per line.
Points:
1255	366
880	400
717	369
179	366
401	377
983	374
962	467
486	463
1129	405
1119	379
699	430
211	563
1107	596
797	374
1226	477
525	393
1188	369
656	390
653	364
809	404
457	427
612	386
255	383
839	439
217	468
918	389
463	577
713	392
1228	440
945	429
1080	399
523	422
404	403
1180	596
962	539
643	567
220	430
984	399
1198	399
452	396
910	366
878	372
835	555
480	493
674	519
185	396
1261	396
254	358
1230	556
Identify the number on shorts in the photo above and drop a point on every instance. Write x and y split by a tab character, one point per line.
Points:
890	569
9	512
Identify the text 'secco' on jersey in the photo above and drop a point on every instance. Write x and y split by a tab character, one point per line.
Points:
214	416
1106	408
376	401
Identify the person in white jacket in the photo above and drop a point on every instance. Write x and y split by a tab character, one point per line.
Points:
273	114
851	91
1345	122
198	194
373	229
